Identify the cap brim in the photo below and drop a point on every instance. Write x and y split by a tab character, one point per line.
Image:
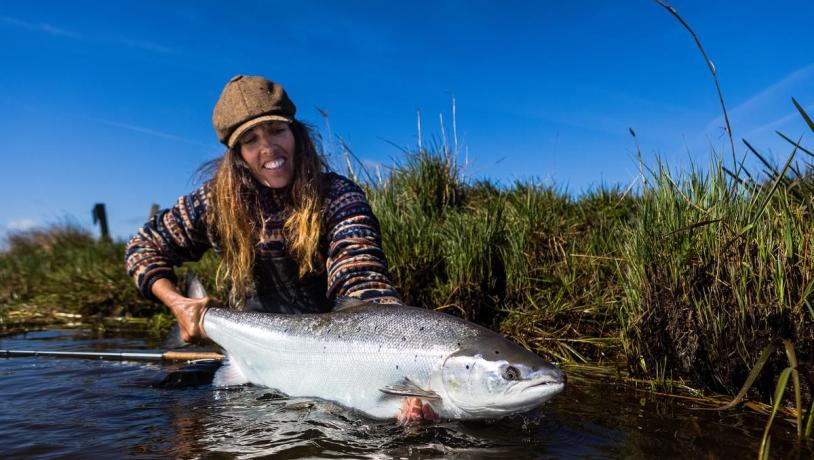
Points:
252	123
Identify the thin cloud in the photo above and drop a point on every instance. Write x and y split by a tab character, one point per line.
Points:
21	225
149	131
145	45
779	122
59	32
39	27
764	100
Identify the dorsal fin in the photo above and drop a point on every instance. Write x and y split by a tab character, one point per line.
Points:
195	289
344	302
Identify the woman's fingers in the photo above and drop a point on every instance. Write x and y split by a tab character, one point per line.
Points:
414	410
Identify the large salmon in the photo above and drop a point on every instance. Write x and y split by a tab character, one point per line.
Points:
369	357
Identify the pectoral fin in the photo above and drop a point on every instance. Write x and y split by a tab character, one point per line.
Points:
408	388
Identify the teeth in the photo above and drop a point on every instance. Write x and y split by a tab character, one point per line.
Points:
274	164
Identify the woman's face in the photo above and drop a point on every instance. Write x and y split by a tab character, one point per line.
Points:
269	148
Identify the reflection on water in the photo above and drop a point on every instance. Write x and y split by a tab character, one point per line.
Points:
102	409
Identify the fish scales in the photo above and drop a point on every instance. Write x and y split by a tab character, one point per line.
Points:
350	356
397	324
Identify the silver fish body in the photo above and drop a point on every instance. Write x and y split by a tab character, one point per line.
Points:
369	357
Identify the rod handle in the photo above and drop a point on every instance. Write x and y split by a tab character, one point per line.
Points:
191	355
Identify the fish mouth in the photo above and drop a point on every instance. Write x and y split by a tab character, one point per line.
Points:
519	399
554	382
546	384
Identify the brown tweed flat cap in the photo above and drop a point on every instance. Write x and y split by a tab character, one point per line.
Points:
247	101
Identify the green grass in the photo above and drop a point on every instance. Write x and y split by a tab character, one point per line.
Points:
714	273
63	268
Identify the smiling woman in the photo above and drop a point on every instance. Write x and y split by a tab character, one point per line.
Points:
292	236
268	149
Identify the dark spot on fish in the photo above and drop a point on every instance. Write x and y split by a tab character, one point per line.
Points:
467	366
459	344
397	366
339	336
358	329
421	328
329	330
497	352
403	339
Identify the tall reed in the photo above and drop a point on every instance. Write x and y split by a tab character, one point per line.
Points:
714	273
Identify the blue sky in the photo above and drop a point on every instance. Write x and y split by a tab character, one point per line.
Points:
111	101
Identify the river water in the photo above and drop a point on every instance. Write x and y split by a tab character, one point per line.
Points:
72	408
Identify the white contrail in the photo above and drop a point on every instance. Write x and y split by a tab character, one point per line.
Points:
152	132
769	95
776	123
60	32
39	27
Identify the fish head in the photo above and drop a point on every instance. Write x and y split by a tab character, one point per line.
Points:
491	377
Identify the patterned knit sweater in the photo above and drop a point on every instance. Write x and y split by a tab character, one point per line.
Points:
355	264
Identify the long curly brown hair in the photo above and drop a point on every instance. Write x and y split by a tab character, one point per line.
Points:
237	217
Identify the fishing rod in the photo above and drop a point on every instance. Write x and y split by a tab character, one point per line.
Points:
165	356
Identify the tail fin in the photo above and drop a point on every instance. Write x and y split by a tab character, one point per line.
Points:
195	289
173	340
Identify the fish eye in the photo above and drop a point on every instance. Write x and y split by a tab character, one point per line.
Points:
511	373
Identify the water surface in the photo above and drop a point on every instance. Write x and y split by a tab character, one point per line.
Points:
71	408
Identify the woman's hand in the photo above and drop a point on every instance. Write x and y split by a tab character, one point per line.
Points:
414	410
188	311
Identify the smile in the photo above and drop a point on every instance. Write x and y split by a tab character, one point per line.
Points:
274	164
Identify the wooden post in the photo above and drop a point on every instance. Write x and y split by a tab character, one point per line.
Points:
100	216
153	210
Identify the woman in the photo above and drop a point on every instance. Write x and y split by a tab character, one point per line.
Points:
292	237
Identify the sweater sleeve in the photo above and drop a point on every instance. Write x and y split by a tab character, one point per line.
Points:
169	238
356	265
